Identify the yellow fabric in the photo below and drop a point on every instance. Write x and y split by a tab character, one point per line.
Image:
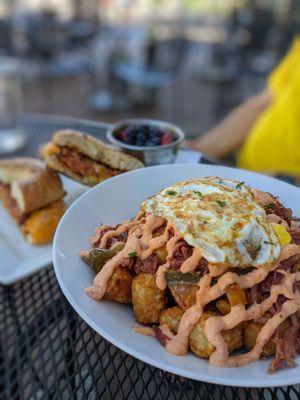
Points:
286	71
273	144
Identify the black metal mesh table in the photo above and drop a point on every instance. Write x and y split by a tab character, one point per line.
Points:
48	352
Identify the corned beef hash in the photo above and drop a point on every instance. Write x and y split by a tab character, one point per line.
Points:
210	265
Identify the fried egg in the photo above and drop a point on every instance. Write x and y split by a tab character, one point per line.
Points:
221	217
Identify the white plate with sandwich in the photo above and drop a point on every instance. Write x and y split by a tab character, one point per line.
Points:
34	197
36	211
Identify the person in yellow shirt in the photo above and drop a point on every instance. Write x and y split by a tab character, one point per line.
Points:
266	128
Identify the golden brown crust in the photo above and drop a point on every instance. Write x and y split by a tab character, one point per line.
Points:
96	150
251	331
32	184
148	301
171	317
203	348
119	286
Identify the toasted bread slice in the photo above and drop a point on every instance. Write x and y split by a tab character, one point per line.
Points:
32	184
96	161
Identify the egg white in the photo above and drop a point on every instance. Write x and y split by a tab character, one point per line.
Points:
221	217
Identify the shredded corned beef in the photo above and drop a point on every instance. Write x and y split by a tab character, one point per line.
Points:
149	264
253	294
286	337
159	231
261	291
120	238
161	337
202	266
96	239
289	263
100	232
111	242
127	263
277	306
287	345
279	302
181	252
277	208
295	234
273	278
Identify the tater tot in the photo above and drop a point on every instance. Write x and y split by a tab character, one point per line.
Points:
148	300
119	286
236	295
171	317
251	330
223	306
161	254
203	348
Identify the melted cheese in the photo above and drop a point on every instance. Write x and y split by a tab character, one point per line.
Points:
41	225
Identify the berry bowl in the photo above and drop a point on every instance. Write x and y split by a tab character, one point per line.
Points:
153	142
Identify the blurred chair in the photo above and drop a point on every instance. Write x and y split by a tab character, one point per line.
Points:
47	37
5	36
81	32
51	50
156	73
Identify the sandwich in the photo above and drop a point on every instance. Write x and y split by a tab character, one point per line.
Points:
33	196
84	158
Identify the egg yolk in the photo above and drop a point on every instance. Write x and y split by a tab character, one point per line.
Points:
282	234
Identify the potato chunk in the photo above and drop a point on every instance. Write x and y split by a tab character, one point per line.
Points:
236	295
119	286
171	317
223	306
184	294
148	300
251	330
183	287
161	254
203	348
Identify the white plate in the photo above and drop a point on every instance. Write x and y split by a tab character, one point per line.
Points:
115	200
18	257
22	259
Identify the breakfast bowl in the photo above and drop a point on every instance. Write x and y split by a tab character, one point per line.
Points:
153	142
114	317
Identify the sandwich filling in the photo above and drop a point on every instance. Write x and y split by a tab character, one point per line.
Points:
10	204
80	164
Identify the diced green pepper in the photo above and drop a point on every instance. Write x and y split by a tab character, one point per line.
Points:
175	277
98	257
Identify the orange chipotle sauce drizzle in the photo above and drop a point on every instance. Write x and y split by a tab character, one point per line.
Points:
141	241
161	282
215	325
136	243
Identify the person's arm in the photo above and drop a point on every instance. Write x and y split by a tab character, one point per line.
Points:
230	133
